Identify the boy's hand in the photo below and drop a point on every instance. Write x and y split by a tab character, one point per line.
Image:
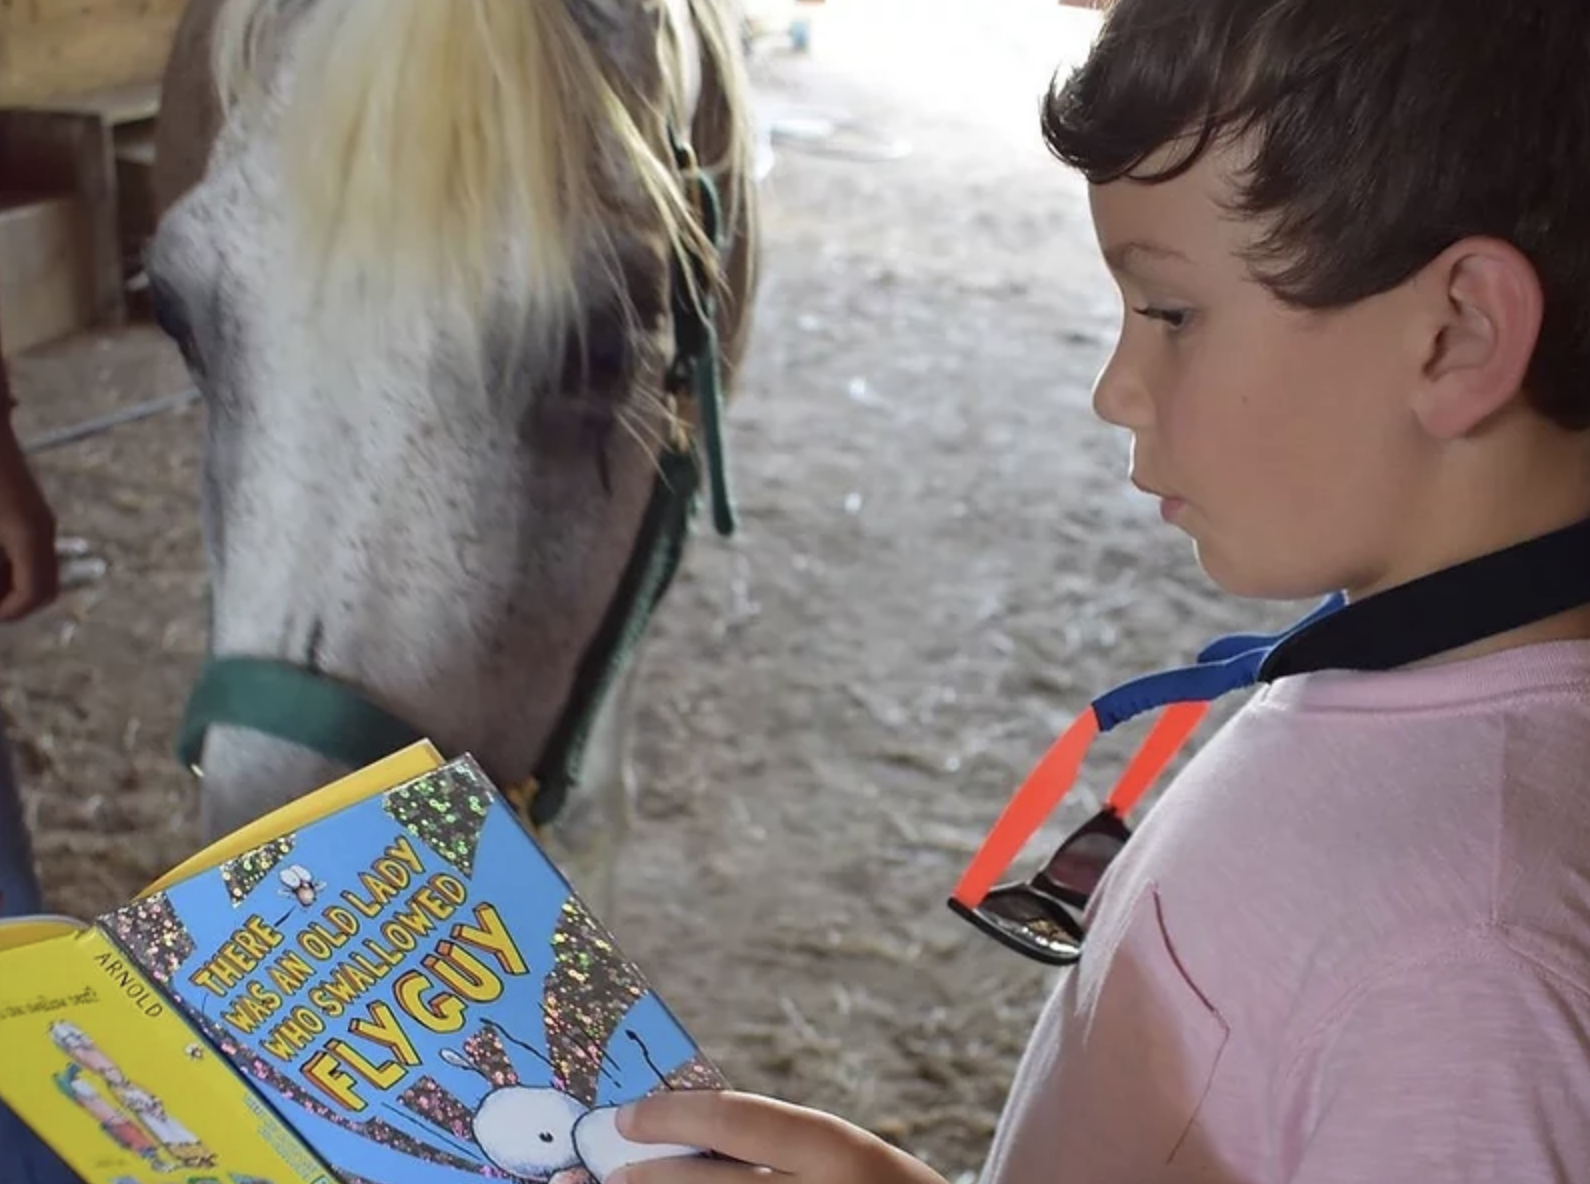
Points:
29	570
806	1146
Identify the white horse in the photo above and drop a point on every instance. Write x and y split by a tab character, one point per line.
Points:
439	269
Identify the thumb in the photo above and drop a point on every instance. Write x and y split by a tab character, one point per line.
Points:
747	1127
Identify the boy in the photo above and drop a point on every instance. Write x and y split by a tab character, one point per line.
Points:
1352	941
28	582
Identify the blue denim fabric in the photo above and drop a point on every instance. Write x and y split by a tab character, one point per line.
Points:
24	1159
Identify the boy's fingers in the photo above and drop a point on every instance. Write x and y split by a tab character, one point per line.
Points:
746	1127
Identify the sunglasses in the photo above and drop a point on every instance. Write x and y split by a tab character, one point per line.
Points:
1043	917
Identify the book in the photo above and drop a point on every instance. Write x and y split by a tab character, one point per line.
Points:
385	982
113	1077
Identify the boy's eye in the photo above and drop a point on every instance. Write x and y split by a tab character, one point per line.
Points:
1175	318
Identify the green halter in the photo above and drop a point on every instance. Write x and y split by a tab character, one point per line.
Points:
341	723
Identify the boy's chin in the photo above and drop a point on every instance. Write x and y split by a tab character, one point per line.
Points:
1250	578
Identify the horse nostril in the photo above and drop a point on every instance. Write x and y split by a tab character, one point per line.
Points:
546	1136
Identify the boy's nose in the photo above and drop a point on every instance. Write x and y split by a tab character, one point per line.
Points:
1119	397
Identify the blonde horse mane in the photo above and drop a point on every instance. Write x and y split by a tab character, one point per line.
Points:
451	154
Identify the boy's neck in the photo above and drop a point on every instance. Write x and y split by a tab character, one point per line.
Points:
1570	626
1523	479
1466	529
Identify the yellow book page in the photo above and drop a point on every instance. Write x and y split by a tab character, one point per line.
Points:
24	931
403	765
120	1086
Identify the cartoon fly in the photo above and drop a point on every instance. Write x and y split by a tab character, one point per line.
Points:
299	883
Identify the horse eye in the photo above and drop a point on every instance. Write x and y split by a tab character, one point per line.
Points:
599	357
172	318
546	1136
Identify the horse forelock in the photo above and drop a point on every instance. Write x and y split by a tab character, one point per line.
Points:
473	165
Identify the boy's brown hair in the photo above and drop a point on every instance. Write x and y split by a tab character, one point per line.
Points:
1377	133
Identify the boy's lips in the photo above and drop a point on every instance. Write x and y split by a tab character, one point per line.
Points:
1169	504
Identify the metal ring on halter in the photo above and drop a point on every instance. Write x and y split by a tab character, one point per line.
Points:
521	795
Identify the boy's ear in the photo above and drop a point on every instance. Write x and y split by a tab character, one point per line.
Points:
1484	305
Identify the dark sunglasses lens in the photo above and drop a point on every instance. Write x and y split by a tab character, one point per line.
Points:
1030	919
1080	862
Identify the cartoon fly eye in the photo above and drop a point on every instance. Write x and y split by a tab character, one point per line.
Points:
528	1132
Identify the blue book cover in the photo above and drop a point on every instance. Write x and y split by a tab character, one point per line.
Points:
414	988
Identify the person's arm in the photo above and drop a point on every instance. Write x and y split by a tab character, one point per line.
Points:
1469	1065
29	569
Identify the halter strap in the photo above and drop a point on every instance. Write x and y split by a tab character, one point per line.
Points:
339	722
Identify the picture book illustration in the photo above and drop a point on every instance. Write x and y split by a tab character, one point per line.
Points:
415	989
118	1080
128	1114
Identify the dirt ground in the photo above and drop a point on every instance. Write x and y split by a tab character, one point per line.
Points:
940	562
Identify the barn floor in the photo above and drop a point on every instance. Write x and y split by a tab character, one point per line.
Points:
940	562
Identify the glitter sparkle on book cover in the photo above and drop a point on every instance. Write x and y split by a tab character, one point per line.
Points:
414	987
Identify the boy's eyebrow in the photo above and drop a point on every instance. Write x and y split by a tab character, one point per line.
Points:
1124	256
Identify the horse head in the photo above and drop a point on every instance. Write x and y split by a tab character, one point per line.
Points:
424	263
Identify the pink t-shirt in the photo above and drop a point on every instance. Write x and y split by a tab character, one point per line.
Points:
1350	945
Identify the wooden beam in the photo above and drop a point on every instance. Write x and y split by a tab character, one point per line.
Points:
51	48
134	102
